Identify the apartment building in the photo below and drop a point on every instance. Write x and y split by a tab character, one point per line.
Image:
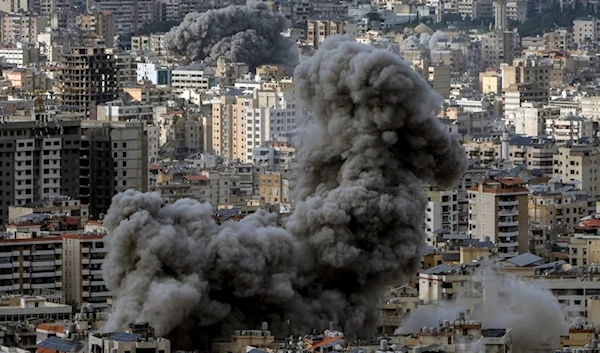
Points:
317	29
590	107
152	42
586	30
129	15
37	161
556	204
56	205
516	11
569	129
87	77
579	163
532	70
127	67
147	93
113	158
192	77
531	119
22	27
101	24
20	54
228	72
274	156
27	262
138	338
498	211
273	188
118	110
82	269
499	47
19	308
441	211
517	94
154	73
560	39
228	125
439	79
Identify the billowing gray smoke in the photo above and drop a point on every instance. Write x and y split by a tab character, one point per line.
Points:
250	34
372	136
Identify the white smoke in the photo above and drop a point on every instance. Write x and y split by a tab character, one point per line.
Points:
372	135
424	41
534	314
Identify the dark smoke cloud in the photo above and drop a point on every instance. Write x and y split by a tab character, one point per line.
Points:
250	34
371	137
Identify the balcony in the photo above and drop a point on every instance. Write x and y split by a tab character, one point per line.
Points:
513	244
508	224
508	203
508	234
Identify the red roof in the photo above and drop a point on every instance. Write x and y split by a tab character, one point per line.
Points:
155	167
196	177
51	327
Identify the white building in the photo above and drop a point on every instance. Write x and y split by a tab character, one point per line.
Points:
530	120
569	129
192	77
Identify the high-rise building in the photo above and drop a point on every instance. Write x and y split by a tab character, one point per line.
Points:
441	211
114	158
83	256
129	15
579	163
498	211
318	29
586	30
87	77
38	160
500	15
101	24
22	27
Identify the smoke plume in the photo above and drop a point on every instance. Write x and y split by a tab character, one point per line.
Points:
502	301
371	137
425	40
249	34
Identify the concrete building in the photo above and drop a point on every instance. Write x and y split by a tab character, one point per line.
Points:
56	205
569	129
155	73
22	308
579	163
557	205
37	162
138	338
119	110
532	119
516	11
22	27
87	77
515	95
20	54
499	47
192	77
29	262
500	15
82	269
441	212
152	42
439	79
129	15
114	158
535	71
560	39
498	211
101	24
586	30
590	107
228	126
273	188
319	28
274	156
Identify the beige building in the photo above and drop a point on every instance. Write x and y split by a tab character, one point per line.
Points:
532	70
490	82
499	47
584	250
560	39
498	211
22	27
271	72
101	24
228	127
148	93
82	269
273	188
152	42
318	29
586	29
58	205
228	72
579	163
557	205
